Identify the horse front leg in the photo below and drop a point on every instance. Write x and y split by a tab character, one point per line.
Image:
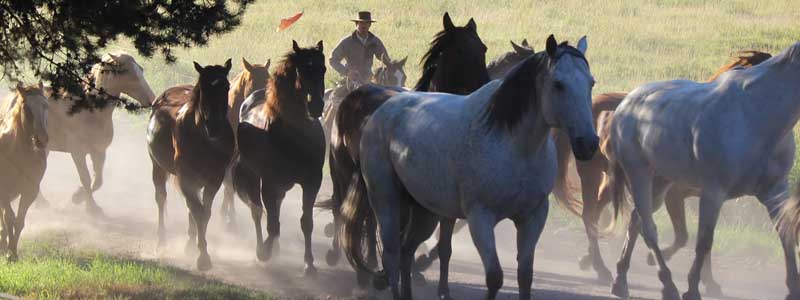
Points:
529	229
197	217
774	200
25	202
84	192
228	209
160	184
310	191
591	175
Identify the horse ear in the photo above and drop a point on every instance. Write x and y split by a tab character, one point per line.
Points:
295	47
551	46
448	23
19	86
266	65
228	65
471	25
525	43
583	45
518	48
319	46
198	67
41	85
402	62
247	66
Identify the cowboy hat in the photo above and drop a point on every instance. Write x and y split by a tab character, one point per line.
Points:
364	16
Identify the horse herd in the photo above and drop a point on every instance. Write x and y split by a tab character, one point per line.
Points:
471	141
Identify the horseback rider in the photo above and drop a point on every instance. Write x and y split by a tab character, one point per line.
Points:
358	49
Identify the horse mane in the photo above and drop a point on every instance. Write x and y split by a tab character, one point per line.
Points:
13	118
747	58
429	60
512	100
281	82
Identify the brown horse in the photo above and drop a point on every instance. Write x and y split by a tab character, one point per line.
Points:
189	136
281	144
455	63
591	177
251	79
23	159
90	132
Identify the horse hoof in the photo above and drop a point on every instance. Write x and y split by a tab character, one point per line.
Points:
380	281
605	276
445	297
12	258
714	290
423	262
691	296
671	293
79	196
418	279
95	211
585	262
332	257
620	289
651	260
204	262
262	253
310	271
329	230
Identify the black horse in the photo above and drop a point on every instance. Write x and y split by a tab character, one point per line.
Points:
281	143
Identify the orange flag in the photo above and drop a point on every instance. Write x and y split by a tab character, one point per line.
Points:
286	22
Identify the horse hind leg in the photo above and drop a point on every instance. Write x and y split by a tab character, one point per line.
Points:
710	205
84	192
420	226
675	202
160	183
774	201
591	178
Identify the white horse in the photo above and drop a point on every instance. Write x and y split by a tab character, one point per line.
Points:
727	138
90	132
485	157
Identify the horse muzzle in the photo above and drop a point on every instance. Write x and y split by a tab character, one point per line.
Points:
584	147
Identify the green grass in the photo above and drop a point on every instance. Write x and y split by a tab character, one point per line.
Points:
51	269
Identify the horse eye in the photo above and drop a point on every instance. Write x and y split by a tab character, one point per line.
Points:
559	86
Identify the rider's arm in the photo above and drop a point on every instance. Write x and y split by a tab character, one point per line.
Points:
381	54
336	58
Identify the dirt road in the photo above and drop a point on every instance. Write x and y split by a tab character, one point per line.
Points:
127	198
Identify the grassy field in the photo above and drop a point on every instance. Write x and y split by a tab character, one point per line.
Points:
53	269
631	42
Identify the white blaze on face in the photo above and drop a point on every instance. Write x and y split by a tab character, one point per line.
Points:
400	77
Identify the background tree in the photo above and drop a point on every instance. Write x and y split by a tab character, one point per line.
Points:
59	40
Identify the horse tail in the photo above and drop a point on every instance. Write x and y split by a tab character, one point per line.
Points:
789	217
614	186
245	181
564	189
354	213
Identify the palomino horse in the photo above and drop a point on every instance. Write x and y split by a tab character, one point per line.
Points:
281	144
591	175
727	138
89	132
23	159
189	136
251	79
498	67
454	63
485	157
